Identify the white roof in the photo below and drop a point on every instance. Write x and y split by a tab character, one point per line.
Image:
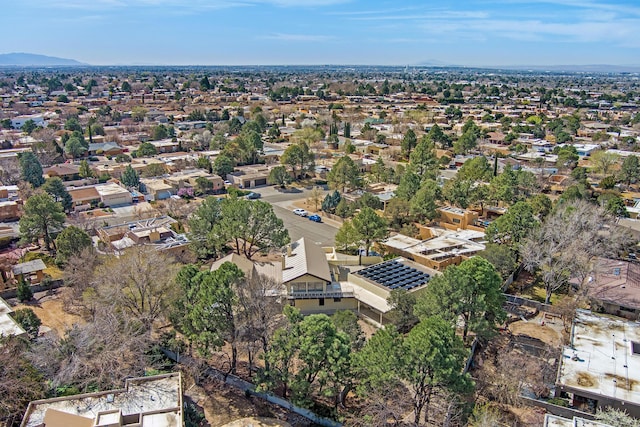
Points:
369	298
8	326
109	189
600	360
159	394
556	421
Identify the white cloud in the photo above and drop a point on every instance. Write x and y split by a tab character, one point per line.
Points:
184	4
620	9
433	14
622	32
298	37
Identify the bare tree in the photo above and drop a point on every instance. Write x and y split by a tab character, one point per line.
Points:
9	172
79	278
315	198
46	148
177	208
101	353
20	383
140	282
260	304
566	243
382	407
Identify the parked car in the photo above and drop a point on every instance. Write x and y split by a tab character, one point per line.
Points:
315	218
227	182
300	212
253	196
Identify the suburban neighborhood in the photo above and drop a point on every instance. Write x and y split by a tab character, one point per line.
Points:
371	246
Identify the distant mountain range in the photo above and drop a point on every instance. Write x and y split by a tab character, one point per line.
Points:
32	59
587	68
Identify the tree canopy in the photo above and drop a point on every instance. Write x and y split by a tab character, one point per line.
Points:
366	228
71	242
470	292
31	169
56	189
344	174
43	218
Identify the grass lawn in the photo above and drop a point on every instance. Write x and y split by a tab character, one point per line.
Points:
537	293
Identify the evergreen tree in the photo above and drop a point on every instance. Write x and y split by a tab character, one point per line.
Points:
31	169
23	290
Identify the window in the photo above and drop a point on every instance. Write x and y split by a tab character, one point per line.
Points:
635	347
455	220
320	301
337	299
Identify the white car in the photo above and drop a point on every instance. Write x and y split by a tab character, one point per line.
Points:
300	212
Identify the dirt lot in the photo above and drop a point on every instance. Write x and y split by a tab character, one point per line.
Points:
50	312
223	404
549	333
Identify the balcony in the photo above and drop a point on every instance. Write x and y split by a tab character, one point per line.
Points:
320	294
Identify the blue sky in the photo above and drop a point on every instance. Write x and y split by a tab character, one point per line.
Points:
240	32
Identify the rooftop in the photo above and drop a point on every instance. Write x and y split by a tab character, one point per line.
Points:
556	421
603	358
616	282
8	326
147	402
306	258
110	188
29	267
395	274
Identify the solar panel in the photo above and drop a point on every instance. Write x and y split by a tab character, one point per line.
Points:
395	275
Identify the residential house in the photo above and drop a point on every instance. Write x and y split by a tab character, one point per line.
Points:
64	171
497	138
154	401
453	218
372	286
111	194
272	270
84	198
614	287
105	148
309	282
249	176
18	122
156	188
440	249
166	145
10	210
600	368
31	271
157	232
189	178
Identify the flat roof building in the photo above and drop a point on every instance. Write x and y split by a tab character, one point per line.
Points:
601	366
154	401
8	325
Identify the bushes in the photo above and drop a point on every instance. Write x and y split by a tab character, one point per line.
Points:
24	291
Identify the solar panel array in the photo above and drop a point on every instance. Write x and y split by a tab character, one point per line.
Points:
395	275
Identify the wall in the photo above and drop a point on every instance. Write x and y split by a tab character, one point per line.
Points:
365	284
250	388
436	265
312	306
560	411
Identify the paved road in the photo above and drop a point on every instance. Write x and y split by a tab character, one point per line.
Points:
320	233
